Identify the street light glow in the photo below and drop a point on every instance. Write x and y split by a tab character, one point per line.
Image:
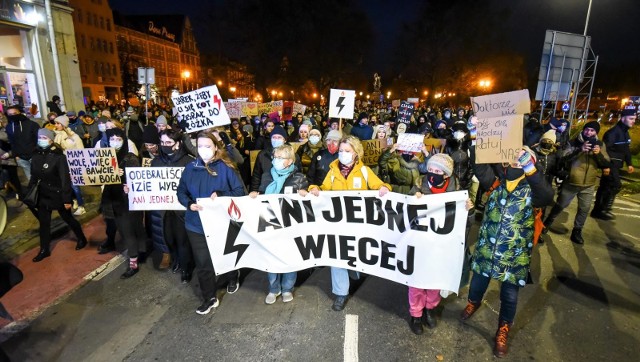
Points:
186	74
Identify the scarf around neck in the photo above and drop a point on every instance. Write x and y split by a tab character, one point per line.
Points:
279	178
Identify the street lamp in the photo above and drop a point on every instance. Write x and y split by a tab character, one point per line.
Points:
388	94
185	76
219	83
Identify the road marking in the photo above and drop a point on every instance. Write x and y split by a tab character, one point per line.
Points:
630	236
351	338
106	268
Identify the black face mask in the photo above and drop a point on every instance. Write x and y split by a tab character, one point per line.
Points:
407	156
546	145
443	133
435	179
17	117
167	150
513	173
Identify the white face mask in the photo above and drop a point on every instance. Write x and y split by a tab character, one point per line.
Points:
314	140
345	157
116	144
458	135
205	153
102	127
278	164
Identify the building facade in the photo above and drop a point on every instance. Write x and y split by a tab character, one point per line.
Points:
31	70
97	51
163	42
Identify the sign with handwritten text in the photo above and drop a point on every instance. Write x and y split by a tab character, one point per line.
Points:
500	125
405	112
154	188
93	166
372	151
411	142
201	109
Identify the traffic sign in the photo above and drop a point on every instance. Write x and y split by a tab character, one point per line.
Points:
565	107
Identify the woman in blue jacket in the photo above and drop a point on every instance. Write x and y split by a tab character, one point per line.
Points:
212	174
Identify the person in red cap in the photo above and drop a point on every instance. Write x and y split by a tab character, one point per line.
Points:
617	142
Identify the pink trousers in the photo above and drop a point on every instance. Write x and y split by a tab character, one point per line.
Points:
422	298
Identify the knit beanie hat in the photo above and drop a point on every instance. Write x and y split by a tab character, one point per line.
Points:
593	124
628	112
47	133
161	120
304	127
362	116
279	130
63	120
549	135
334	135
316	132
441	161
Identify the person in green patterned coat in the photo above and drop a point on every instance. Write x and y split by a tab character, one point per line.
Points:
505	238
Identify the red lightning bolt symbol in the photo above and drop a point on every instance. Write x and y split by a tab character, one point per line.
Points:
217	101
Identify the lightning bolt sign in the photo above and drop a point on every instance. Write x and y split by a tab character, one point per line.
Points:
232	235
217	101
339	104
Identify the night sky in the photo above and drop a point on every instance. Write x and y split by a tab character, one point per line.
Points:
613	26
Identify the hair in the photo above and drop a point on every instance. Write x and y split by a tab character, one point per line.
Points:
6	110
286	151
51	114
221	153
377	129
354	142
115	122
172	134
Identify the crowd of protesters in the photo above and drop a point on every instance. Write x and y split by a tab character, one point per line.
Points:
329	156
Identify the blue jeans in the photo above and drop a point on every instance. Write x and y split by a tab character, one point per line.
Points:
78	194
508	296
281	282
25	165
340	281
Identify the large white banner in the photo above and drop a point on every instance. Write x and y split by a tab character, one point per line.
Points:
416	242
154	188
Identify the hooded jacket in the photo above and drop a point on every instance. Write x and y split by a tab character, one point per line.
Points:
23	136
49	165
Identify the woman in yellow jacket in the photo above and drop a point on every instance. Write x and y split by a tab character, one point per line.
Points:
348	173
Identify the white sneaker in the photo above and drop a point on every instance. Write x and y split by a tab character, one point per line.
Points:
80	211
271	298
75	204
287	297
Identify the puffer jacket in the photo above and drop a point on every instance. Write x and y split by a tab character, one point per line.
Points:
356	180
402	175
584	167
196	182
49	165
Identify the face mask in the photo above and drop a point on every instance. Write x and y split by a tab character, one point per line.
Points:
167	150
102	127
278	163
205	153
276	143
407	157
345	158
16	117
459	135
332	148
116	144
447	114
314	140
435	179
546	145
514	173
43	143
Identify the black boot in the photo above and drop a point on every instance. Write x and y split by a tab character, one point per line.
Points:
602	207
416	325
106	247
553	214
44	253
576	236
430	318
82	242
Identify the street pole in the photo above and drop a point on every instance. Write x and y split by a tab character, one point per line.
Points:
586	23
146	99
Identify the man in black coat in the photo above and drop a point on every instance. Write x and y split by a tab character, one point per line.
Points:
23	136
617	142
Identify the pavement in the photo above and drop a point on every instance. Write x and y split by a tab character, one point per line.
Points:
583	307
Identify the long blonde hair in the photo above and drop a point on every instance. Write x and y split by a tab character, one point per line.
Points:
354	142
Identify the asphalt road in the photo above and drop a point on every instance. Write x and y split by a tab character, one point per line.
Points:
584	305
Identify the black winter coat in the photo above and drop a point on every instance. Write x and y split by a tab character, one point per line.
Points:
319	166
50	167
263	165
297	181
114	200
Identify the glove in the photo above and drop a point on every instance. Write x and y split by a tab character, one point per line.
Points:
225	138
527	162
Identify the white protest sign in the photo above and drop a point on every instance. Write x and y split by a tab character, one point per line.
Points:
411	142
500	125
342	103
300	108
201	109
415	242
153	188
93	166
